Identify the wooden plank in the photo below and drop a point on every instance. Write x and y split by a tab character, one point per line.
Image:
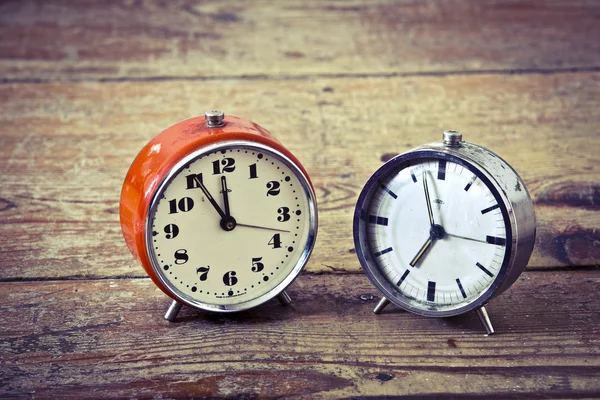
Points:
107	339
72	40
65	149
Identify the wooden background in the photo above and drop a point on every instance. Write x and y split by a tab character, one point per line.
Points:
345	85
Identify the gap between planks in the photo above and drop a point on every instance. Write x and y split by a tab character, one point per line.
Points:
301	77
571	268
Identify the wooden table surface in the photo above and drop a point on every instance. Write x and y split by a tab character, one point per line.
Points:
344	85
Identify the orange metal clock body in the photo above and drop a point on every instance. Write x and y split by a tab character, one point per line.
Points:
158	158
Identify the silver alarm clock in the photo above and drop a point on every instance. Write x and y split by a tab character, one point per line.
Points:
442	229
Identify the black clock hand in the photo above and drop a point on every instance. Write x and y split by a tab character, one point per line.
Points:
212	200
225	195
466	238
262	227
427	199
421	252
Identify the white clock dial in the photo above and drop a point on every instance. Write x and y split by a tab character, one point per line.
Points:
437	233
232	225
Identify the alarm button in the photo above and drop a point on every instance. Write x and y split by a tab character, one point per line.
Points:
452	138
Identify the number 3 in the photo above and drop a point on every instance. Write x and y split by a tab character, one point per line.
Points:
284	214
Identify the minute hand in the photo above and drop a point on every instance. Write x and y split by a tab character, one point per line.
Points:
225	195
428	200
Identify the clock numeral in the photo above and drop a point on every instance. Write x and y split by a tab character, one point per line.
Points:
181	256
203	271
462	290
273	188
431	291
384	251
442	170
495	240
275	241
171	231
229	278
184	205
194	181
374	219
470	183
412	175
484	269
402	278
227	164
253	173
256	265
491	208
284	214
388	191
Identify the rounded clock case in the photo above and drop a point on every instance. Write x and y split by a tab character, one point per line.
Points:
159	157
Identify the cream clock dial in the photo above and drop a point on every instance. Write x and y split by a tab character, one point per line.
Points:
230	225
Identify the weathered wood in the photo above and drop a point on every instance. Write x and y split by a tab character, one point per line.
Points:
107	338
66	149
346	86
69	40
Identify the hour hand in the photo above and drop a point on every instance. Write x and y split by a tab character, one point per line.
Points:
421	252
212	200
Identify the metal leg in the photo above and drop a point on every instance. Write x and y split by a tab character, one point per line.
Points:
381	305
485	319
173	311
284	298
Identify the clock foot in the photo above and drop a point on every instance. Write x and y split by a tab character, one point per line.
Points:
284	298
173	311
485	319
381	305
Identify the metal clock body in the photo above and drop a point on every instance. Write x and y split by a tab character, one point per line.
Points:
221	216
444	228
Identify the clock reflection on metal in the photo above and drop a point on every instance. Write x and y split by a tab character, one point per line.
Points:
444	228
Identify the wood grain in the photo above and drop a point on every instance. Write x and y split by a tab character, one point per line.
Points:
133	39
107	338
346	86
66	149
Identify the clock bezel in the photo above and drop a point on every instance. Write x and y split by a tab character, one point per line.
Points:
294	272
364	253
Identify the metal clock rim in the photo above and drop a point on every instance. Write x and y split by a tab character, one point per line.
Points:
450	154
306	252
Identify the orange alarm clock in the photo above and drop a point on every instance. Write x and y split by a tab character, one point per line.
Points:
220	214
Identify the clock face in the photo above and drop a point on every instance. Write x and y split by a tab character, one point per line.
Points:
436	232
231	227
